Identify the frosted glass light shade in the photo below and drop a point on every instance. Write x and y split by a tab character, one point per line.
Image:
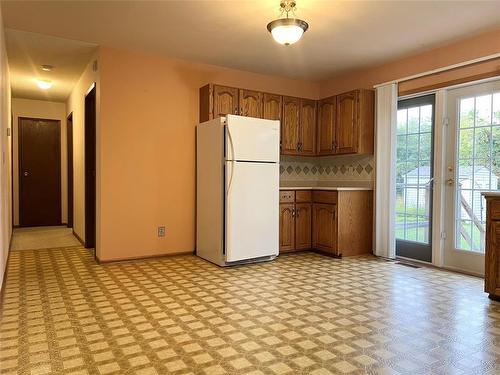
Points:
287	30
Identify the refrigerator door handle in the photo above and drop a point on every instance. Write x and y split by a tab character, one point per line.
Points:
231	175
231	145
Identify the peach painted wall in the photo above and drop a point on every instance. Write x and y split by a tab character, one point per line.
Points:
45	110
149	110
5	163
467	49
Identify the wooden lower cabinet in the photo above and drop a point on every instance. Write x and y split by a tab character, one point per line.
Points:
338	223
295	220
303	226
492	250
325	228
287	227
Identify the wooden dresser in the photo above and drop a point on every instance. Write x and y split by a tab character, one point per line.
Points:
492	256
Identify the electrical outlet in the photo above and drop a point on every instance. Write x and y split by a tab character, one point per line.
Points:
161	231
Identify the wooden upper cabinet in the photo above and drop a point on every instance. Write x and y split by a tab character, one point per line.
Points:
250	103
272	105
225	101
347	123
354	127
326	126
307	136
290	126
287	226
303	225
325	227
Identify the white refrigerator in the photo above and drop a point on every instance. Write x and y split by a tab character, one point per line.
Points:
237	190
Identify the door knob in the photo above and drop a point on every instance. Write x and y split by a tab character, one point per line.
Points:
450	181
26	174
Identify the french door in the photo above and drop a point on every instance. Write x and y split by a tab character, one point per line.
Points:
472	166
414	178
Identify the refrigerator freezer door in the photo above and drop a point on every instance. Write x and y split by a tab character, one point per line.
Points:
252	210
252	139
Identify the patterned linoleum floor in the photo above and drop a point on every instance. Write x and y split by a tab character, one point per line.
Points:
301	314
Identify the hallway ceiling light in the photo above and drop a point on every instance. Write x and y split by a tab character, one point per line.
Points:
47	68
44	84
287	30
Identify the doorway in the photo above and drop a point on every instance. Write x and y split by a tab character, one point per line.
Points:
69	148
414	178
90	168
39	172
472	166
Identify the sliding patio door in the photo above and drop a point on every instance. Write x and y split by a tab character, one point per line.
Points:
472	166
414	178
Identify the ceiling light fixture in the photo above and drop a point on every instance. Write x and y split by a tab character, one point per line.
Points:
287	30
47	68
44	84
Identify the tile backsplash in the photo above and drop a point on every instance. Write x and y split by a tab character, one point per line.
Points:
356	170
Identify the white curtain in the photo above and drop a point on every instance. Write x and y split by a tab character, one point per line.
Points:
385	170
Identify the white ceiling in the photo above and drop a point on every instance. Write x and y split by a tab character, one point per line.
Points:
28	51
343	35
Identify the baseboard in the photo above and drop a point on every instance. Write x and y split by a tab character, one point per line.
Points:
146	257
78	238
4	279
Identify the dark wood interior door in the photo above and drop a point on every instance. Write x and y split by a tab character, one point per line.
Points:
90	168
69	147
39	172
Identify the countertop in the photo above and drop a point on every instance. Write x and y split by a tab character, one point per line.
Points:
324	188
495	194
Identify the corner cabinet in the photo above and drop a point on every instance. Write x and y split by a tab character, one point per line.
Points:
492	250
346	123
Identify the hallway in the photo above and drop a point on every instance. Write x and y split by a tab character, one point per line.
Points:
43	238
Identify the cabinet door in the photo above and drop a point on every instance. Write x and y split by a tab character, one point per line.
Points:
272	107
325	227
307	137
326	126
347	126
287	227
290	126
250	103
303	221
225	101
492	261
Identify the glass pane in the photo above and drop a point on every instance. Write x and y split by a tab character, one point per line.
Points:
423	229
401	147
496	108
495	174
465	204
426	118
425	146
467	113
424	172
495	137
482	140
413	119
465	143
411	227
401	121
464	231
424	200
412	153
483	110
465	174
